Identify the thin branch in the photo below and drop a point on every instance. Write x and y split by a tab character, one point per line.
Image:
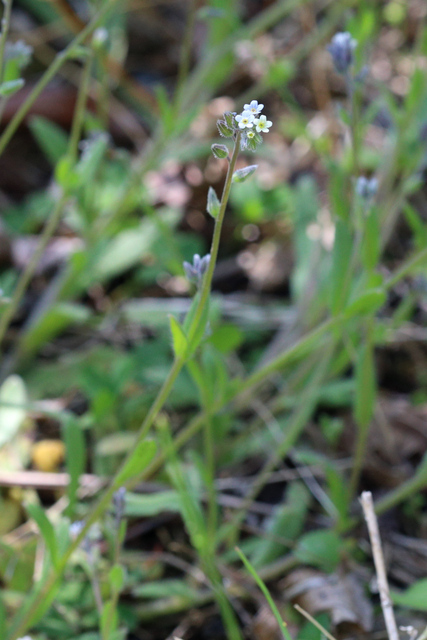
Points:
374	534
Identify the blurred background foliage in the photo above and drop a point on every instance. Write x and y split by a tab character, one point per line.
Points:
106	162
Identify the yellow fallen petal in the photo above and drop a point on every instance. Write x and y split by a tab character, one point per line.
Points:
48	455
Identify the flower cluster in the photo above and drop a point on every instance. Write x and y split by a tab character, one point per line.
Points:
248	118
250	123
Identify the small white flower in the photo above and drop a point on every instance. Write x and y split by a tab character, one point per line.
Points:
250	135
245	120
262	124
254	107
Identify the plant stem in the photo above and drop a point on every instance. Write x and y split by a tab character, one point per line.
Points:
207	280
79	111
30	269
184	63
210	475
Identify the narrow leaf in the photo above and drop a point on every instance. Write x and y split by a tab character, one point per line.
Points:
365	386
141	457
213	204
46	529
369	302
282	624
179	339
243	174
9	88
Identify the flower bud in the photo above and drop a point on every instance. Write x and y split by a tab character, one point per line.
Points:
224	130
366	188
341	50
229	119
220	151
196	271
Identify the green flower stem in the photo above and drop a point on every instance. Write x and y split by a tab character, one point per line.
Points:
30	269
207	280
79	112
51	72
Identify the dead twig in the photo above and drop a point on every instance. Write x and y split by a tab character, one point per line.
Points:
374	535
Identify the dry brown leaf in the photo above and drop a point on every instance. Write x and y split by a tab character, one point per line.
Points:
341	596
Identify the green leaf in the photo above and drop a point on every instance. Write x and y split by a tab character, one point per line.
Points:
109	619
3	625
415	597
179	339
66	175
198	334
141	457
12	393
366	387
51	138
341	259
49	324
75	460
117	578
282	624
92	157
145	505
286	522
243	174
168	588
371	246
46	529
320	549
226	338
368	302
220	151
213	204
9	88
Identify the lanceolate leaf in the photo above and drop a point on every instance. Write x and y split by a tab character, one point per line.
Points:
46	529
179	339
214	204
243	174
141	457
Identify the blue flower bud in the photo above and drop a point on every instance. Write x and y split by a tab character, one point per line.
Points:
366	188
196	271
341	50
119	500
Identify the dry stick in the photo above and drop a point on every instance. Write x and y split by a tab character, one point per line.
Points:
317	624
374	534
